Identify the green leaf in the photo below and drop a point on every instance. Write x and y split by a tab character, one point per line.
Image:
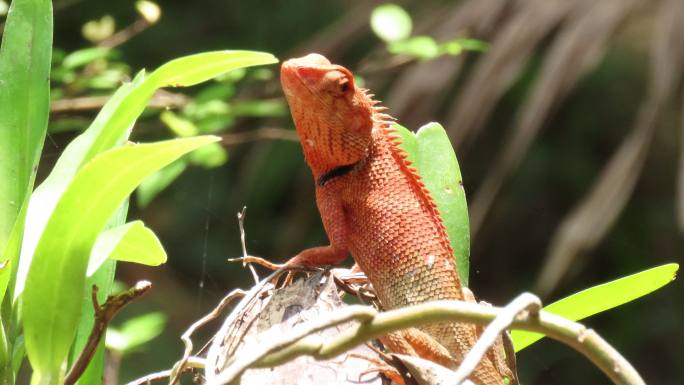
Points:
194	69
130	242
211	156
25	58
421	47
5	270
112	126
431	153
179	126
157	182
135	332
52	297
391	22
182	72
601	298
47	194
84	56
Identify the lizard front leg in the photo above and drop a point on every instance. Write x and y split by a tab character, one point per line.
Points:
335	224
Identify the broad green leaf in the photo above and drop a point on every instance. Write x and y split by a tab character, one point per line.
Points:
601	298
25	57
431	153
55	282
135	332
130	242
194	69
182	72
47	194
157	182
111	128
391	22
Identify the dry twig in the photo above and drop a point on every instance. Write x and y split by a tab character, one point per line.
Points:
160	99
103	315
271	133
180	366
192	363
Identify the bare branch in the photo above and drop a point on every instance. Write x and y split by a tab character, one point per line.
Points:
259	134
125	34
160	99
585	341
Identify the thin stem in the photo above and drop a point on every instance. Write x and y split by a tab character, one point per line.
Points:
103	315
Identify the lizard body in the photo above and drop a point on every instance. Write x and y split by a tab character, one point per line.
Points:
374	206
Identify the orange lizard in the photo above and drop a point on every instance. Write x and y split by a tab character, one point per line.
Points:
375	207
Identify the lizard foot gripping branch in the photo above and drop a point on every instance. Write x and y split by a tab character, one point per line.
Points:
375	207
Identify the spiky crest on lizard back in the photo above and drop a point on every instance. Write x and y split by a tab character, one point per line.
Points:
385	123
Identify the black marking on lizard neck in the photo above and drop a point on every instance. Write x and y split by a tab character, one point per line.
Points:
335	173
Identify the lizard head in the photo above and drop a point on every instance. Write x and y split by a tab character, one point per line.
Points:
332	115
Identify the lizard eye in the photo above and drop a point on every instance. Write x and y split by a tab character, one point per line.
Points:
344	86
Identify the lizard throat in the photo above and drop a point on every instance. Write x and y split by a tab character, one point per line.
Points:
335	172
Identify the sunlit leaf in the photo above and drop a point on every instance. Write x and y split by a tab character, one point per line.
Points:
25	58
391	22
130	242
213	155
135	332
5	270
431	153
179	126
55	282
194	69
111	128
603	297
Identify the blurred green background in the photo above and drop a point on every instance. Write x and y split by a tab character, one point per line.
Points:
568	125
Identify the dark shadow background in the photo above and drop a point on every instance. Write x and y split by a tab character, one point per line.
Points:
589	117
